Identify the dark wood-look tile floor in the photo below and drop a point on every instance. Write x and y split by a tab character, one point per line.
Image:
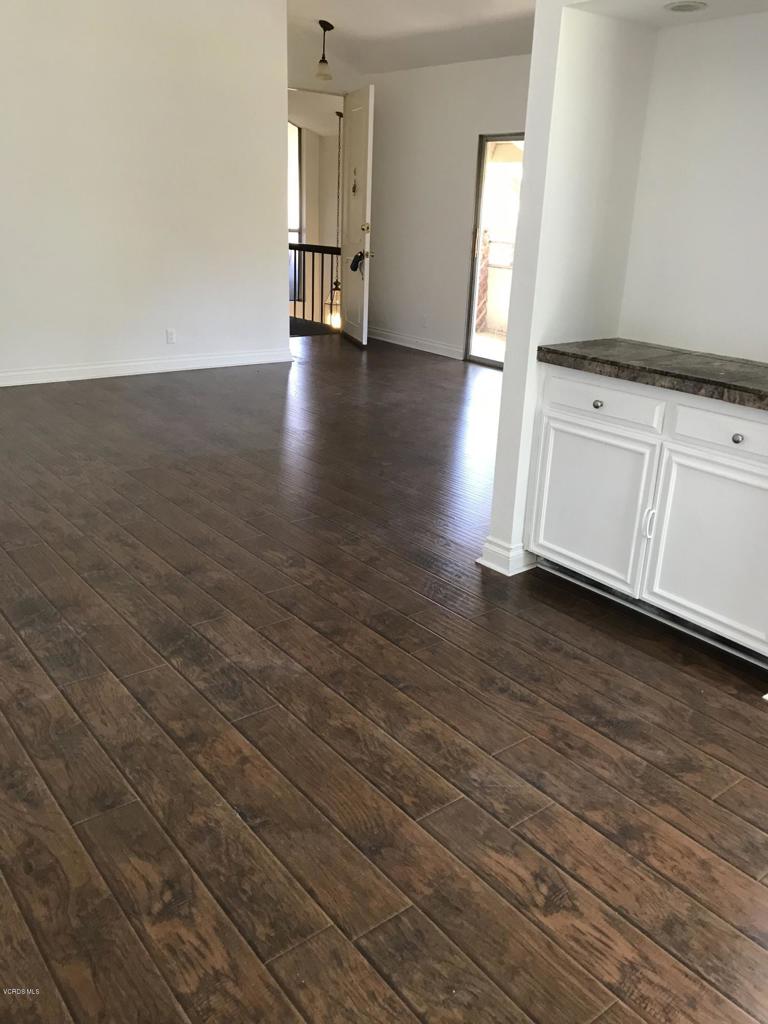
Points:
273	748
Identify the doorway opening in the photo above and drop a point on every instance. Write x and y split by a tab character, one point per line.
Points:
314	256
497	207
330	156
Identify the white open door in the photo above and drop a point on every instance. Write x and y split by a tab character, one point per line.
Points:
356	213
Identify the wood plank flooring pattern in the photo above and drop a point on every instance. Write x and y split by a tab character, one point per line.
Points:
273	748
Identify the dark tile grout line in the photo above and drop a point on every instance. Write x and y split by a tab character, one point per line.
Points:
297	945
436	810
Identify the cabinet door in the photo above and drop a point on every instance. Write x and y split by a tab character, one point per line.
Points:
593	495
708	560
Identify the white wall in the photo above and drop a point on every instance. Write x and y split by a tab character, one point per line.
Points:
598	119
142	185
589	84
314	110
697	267
329	147
318	159
426	128
310	185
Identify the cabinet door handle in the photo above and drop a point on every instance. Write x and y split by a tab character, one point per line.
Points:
649	523
597	404
738	439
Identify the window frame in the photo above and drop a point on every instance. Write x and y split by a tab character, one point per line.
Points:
299	230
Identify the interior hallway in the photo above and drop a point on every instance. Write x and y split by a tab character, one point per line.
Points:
273	748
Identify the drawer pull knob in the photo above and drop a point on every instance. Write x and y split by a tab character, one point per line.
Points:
738	439
597	404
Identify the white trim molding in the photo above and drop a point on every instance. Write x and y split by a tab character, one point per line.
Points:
436	348
129	368
507	559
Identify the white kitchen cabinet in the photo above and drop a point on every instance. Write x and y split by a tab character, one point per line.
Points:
594	492
708	561
656	495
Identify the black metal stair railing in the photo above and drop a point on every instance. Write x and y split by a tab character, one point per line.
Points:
314	283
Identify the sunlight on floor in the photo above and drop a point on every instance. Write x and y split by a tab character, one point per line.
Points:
489	346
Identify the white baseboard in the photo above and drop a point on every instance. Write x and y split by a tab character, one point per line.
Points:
507	559
436	348
129	368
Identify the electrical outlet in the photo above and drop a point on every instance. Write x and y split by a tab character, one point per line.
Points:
170	336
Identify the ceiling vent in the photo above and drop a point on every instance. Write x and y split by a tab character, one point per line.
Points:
686	6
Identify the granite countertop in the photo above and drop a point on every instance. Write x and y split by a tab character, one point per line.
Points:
741	381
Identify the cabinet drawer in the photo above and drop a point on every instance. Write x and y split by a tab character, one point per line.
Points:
723	429
602	402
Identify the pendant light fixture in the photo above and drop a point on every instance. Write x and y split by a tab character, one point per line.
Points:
323	67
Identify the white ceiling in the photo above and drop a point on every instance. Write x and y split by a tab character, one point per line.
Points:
375	19
315	110
388	35
653	13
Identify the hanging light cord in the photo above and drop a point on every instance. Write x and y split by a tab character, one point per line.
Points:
337	282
